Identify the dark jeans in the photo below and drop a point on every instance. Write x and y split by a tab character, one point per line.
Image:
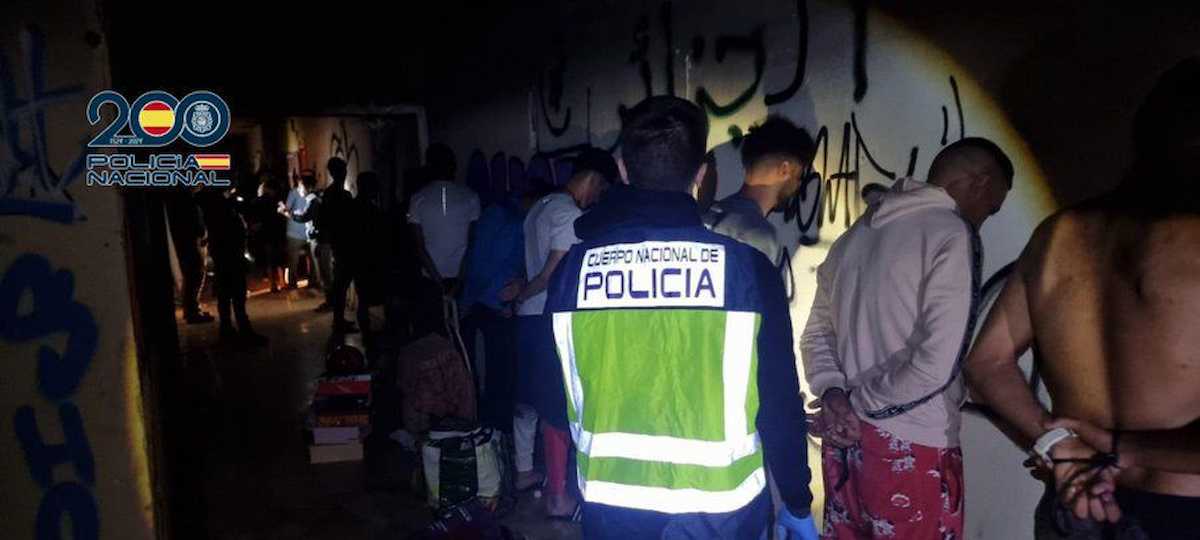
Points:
539	372
499	357
322	256
297	251
611	522
230	286
346	270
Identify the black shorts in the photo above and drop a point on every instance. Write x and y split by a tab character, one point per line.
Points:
1144	516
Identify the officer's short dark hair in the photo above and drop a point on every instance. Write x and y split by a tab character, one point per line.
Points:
662	143
598	161
776	137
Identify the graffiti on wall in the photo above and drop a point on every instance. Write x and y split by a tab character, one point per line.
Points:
37	301
749	46
53	311
550	92
505	174
29	184
837	191
343	146
828	195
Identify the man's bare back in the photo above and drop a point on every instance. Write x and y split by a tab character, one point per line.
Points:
1108	293
1114	304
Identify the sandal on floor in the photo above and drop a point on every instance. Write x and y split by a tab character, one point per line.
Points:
575	516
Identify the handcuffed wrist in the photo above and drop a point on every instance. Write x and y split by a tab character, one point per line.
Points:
835	389
1050	439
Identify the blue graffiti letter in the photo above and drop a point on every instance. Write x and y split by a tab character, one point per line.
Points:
42	458
53	310
72	499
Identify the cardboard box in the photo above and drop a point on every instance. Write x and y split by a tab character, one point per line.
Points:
333	453
341	411
352	385
345	419
341	403
339	435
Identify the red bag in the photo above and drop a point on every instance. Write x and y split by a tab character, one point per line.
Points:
434	383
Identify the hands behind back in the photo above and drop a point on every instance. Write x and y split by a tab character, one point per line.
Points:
836	420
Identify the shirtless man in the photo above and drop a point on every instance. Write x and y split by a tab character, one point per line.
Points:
1110	293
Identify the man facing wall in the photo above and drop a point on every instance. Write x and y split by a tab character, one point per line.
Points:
893	316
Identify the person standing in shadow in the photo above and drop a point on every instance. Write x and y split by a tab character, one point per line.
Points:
336	222
187	233
227	246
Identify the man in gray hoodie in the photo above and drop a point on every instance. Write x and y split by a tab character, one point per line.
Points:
893	317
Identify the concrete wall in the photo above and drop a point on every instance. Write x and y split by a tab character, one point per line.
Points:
316	139
884	91
386	140
73	449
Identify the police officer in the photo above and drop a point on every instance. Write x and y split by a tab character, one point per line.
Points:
676	348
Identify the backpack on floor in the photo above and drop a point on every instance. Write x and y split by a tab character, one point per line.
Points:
462	461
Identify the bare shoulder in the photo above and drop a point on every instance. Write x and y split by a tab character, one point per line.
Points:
1164	253
1060	236
1073	221
1176	230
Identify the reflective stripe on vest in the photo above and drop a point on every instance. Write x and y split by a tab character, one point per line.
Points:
720	472
674	501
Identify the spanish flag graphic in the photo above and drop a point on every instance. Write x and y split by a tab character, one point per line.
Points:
157	118
212	162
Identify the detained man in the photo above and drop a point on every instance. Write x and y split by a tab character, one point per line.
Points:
495	257
890	324
775	155
1110	292
549	232
440	215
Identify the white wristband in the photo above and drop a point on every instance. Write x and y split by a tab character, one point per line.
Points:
1049	439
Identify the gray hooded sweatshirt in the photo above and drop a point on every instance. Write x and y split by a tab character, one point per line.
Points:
893	314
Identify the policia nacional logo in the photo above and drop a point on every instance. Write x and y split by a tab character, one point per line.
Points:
652	274
156	119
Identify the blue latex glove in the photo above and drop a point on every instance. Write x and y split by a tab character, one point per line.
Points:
790	527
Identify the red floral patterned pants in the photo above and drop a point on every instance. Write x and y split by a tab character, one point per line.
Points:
886	487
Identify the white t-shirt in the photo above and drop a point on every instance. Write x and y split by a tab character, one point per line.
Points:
445	211
550	226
